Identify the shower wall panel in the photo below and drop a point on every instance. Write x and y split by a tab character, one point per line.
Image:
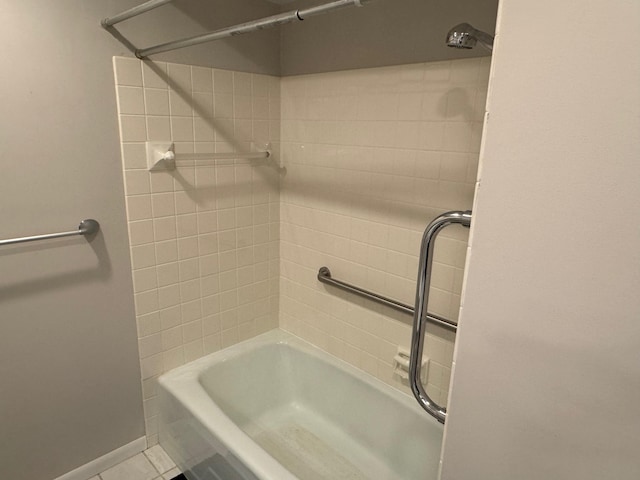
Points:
204	237
372	156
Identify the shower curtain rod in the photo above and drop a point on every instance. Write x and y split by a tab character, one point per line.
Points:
279	19
132	12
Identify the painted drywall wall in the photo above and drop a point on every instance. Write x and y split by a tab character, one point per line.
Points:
383	32
546	381
69	366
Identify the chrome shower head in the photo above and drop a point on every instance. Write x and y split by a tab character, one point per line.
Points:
465	36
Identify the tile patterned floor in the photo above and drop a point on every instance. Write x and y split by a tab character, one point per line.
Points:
152	464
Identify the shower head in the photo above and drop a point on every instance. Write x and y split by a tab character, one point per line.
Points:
465	36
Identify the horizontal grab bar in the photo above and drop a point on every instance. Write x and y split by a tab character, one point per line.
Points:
86	227
324	276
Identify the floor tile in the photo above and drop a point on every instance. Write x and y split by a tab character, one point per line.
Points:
136	468
174	472
159	458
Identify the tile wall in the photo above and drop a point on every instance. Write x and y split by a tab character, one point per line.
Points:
220	251
204	238
371	157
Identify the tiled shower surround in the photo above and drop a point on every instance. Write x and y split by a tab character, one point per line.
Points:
204	240
363	160
372	156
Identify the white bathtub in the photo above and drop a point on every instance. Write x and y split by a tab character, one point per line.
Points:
277	408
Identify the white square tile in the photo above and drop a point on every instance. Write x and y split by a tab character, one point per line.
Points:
242	84
164	228
242	106
182	129
170	317
134	155
166	251
192	331
138	207
158	128
171	474
168	274
202	104
171	338
190	290
457	136
148	324
150	345
223	105
223	81
144	279
135	468
143	256
133	128
137	182
179	77
193	350
161	182
168	296
260	85
191	311
202	79
212	343
154	74
141	232
173	358
187	225
156	101
146	302
128	71
189	269
188	248
163	204
180	104
185	203
203	130
130	100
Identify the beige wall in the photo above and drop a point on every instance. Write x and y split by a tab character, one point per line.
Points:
372	156
547	380
383	32
204	237
68	356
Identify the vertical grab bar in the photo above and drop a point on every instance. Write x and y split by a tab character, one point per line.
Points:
420	312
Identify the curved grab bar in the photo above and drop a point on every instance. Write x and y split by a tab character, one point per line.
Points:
420	312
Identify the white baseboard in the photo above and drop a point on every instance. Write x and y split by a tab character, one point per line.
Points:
107	461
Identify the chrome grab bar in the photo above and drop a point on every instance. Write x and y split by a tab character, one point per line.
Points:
324	276
86	227
420	311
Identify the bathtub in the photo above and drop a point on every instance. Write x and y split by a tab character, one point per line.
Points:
277	408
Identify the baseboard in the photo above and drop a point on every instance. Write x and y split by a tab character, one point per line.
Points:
101	464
